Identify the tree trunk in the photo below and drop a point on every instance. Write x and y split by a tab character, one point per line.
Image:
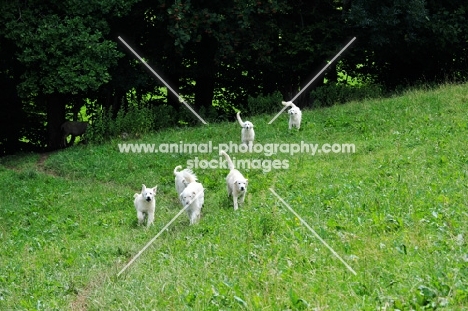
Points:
206	73
172	100
55	118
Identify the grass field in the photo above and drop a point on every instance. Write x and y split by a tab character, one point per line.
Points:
395	210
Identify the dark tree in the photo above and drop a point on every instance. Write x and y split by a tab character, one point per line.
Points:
404	42
63	49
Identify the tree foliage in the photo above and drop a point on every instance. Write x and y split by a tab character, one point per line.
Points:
63	50
404	42
60	55
63	45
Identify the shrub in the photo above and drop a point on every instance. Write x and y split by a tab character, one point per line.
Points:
164	116
264	104
134	120
337	93
98	131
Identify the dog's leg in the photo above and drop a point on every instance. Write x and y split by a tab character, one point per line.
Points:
190	214
192	217
195	217
150	218
234	198
65	143
243	137
141	217
241	201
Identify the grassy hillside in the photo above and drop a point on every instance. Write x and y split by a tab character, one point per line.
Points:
395	210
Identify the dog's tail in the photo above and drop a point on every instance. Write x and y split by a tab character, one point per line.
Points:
176	169
239	119
228	159
290	104
189	176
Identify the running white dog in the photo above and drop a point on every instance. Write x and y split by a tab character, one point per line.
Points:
145	204
194	196
295	115
182	177
247	132
235	182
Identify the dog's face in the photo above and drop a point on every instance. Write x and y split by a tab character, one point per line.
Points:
186	197
248	125
294	111
241	185
148	193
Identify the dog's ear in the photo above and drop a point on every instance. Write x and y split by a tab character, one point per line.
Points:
246	181
155	189
143	188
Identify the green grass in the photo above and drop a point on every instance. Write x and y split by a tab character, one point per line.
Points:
395	211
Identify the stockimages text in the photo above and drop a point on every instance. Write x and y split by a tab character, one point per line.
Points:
265	165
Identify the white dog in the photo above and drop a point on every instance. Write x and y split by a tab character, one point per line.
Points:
194	196
182	177
235	182
247	132
295	115
145	203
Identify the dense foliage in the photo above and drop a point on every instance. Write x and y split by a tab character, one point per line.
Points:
410	41
64	55
59	56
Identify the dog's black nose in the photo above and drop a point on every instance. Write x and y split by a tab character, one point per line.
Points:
242	188
148	199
